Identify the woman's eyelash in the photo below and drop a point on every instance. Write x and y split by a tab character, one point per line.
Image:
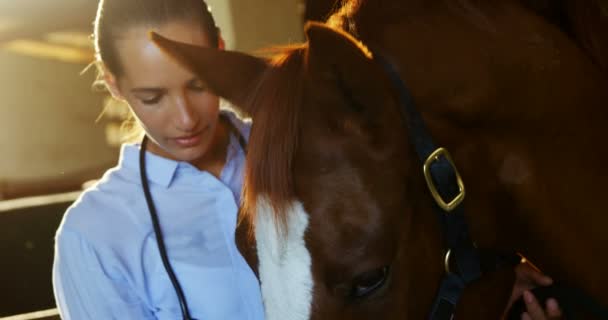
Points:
151	101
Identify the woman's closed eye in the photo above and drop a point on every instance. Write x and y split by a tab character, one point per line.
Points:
148	96
151	100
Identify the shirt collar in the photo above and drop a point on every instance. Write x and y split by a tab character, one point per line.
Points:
158	169
161	170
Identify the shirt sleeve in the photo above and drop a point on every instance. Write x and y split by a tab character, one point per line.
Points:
84	290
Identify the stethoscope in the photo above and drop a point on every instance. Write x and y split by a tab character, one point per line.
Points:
156	224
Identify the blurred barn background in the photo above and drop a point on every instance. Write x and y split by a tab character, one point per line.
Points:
50	141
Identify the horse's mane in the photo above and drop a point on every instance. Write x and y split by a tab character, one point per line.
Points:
275	108
343	17
584	21
396	10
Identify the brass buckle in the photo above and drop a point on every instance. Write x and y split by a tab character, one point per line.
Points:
447	206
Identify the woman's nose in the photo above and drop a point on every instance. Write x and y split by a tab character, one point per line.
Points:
186	118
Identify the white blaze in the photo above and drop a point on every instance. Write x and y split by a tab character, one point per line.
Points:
284	263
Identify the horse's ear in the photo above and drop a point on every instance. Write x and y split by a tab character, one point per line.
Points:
229	74
337	57
333	48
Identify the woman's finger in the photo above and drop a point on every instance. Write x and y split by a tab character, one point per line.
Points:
535	310
553	310
526	272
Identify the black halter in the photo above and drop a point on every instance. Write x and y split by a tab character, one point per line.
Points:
463	260
447	189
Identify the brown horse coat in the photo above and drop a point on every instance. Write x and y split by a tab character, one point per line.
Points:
343	221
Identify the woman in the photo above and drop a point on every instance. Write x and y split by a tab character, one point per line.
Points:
108	264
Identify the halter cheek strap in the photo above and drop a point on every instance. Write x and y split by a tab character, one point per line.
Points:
448	190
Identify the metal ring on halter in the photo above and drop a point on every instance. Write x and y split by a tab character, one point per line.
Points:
446	261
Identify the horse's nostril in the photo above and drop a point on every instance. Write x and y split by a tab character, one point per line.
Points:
369	282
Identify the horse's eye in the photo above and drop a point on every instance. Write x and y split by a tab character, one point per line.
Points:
369	282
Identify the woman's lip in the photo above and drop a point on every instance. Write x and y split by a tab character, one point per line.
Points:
188	141
188	137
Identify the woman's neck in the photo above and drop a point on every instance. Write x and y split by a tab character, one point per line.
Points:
214	159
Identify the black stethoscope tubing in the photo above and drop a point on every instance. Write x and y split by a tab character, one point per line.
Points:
156	224
159	234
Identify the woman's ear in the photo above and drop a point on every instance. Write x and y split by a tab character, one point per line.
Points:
112	85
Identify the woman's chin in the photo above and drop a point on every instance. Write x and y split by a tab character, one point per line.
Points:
189	154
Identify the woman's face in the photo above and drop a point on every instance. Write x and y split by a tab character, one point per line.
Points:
175	109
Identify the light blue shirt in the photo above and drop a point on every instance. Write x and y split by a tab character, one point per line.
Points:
107	264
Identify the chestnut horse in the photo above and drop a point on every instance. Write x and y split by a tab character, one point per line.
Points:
342	219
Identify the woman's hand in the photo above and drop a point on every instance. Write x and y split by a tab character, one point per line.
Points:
536	312
527	277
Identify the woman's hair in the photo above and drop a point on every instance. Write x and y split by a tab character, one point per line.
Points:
115	17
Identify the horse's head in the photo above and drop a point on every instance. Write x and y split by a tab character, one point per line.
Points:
328	169
333	192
